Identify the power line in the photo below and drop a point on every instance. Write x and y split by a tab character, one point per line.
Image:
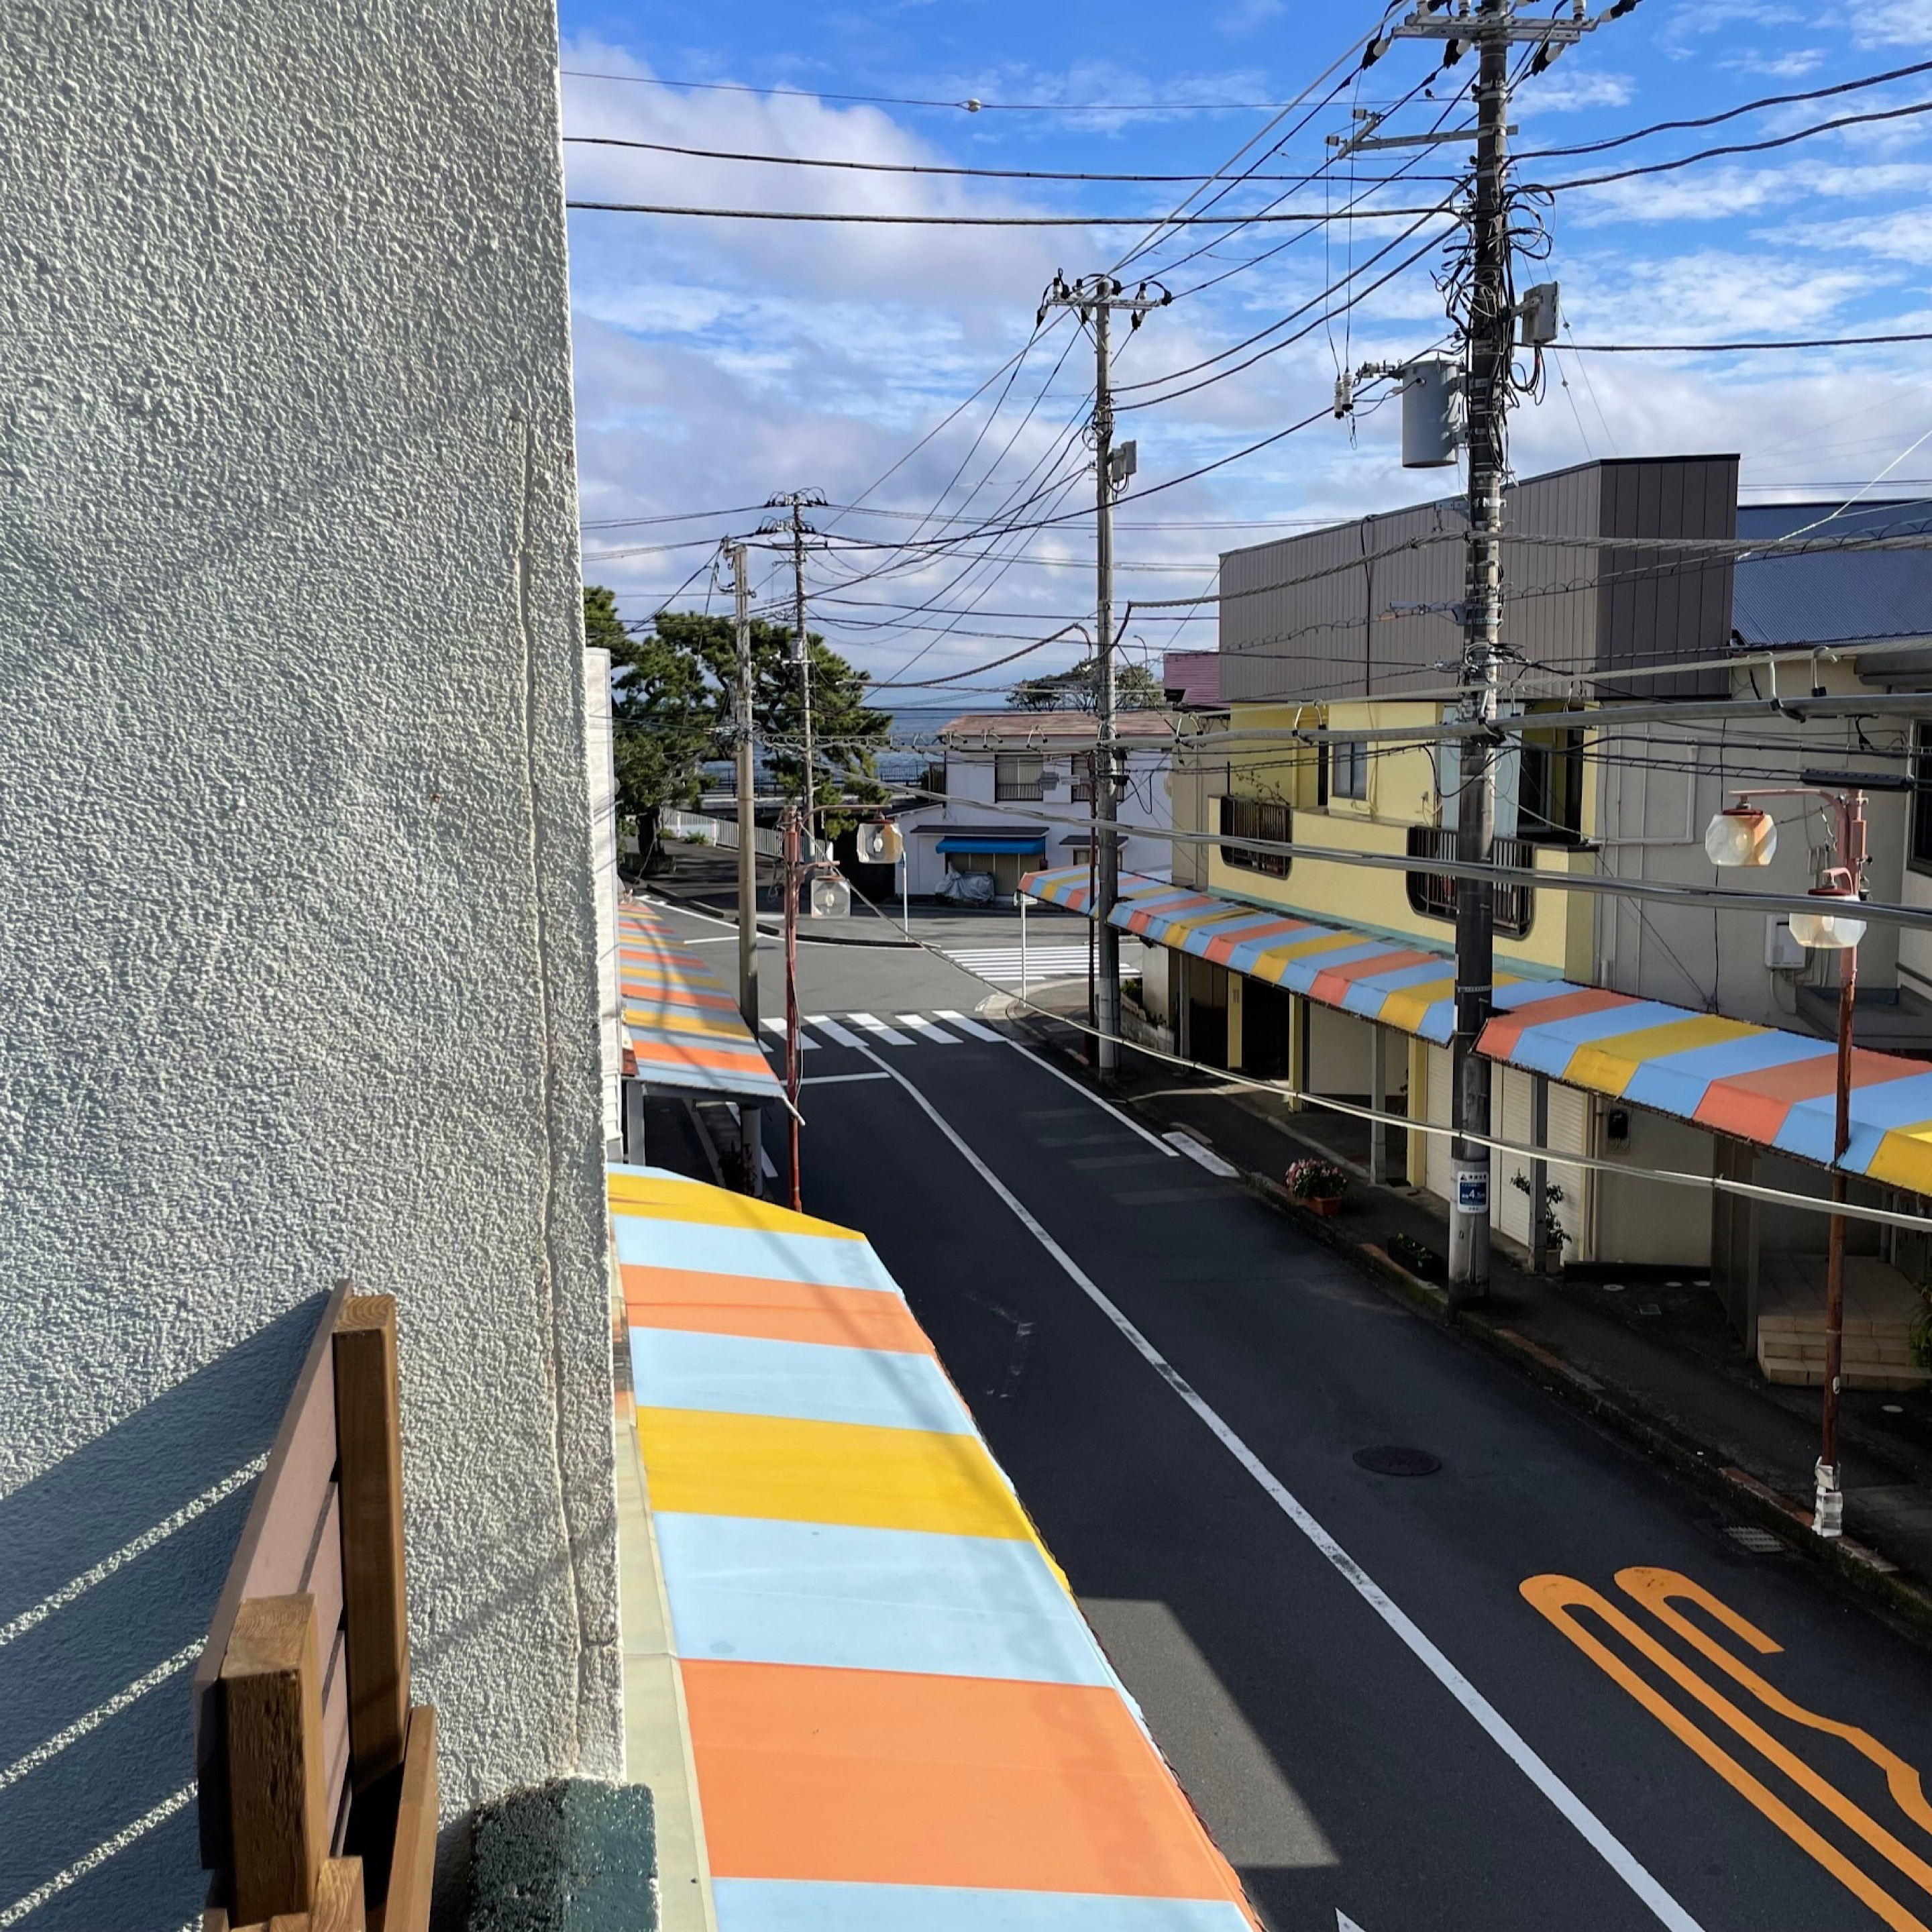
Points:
1744	147
985	221
969	104
921	167
1729	114
1738	348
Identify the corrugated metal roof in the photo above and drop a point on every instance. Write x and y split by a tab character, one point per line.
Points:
1823	596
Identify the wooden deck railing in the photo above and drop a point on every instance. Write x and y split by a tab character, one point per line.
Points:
317	1779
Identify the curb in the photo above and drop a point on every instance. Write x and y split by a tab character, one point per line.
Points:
1852	1564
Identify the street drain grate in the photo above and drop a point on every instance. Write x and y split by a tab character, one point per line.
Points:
1393	1461
1748	1536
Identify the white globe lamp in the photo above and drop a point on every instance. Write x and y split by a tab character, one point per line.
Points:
1832	927
1742	834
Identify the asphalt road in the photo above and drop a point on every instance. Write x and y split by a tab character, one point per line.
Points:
1374	1715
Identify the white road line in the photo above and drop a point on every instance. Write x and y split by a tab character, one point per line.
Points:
838	1079
972	1027
1206	1156
839	1035
878	1029
1595	1832
925	1029
1133	1127
777	1029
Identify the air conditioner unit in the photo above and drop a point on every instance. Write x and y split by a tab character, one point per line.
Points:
1782	953
879	843
830	897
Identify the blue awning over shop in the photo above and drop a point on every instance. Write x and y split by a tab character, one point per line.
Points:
1021	843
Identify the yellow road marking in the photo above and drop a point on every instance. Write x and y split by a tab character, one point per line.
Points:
1654	1589
1556	1597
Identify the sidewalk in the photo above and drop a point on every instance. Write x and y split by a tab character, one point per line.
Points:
1657	1362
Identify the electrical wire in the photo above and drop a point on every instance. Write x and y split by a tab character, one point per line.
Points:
916	167
1743	147
967	104
981	220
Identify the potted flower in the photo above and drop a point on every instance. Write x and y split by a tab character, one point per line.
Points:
1317	1185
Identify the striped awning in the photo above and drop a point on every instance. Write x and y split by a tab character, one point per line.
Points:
1759	1084
682	1026
897	1715
1404	986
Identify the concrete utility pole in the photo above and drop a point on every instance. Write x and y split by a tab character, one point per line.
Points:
798	501
1489	329
750	1122
1093	298
1490	349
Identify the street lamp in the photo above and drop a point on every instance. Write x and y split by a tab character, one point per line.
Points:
1742	834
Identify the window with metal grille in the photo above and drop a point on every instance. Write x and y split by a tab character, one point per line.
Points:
1256	818
1016	775
1432	894
1082	793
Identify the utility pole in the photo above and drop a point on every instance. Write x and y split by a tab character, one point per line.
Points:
1490	349
750	1120
798	501
1489	332
1093	298
790	877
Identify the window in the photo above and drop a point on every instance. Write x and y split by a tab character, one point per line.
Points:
1432	894
1082	793
1921	854
1016	775
1550	807
1255	818
1348	771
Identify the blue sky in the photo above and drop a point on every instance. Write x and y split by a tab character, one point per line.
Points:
719	362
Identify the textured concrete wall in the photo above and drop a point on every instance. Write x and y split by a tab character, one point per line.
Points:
295	905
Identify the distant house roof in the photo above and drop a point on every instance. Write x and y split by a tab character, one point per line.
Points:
1018	729
1192	678
1833	595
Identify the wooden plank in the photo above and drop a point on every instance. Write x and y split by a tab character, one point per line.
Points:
339	1906
321	1574
335	1731
269	1559
375	1611
272	1695
412	1864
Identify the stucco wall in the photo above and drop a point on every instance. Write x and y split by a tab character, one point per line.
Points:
299	972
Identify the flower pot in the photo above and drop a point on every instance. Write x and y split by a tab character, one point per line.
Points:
1322	1203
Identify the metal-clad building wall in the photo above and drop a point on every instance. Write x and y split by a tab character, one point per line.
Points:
1316	617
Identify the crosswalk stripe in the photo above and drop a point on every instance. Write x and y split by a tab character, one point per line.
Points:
925	1028
878	1029
972	1027
839	1035
776	1027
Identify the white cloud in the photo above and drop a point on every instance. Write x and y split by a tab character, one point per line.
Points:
1568	93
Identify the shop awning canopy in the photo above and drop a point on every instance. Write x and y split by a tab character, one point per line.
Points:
682	1026
1024	843
1758	1084
1777	1089
898	1717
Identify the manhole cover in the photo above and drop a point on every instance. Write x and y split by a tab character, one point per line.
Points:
1397	1461
1748	1536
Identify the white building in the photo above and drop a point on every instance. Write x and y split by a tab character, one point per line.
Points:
1017	789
